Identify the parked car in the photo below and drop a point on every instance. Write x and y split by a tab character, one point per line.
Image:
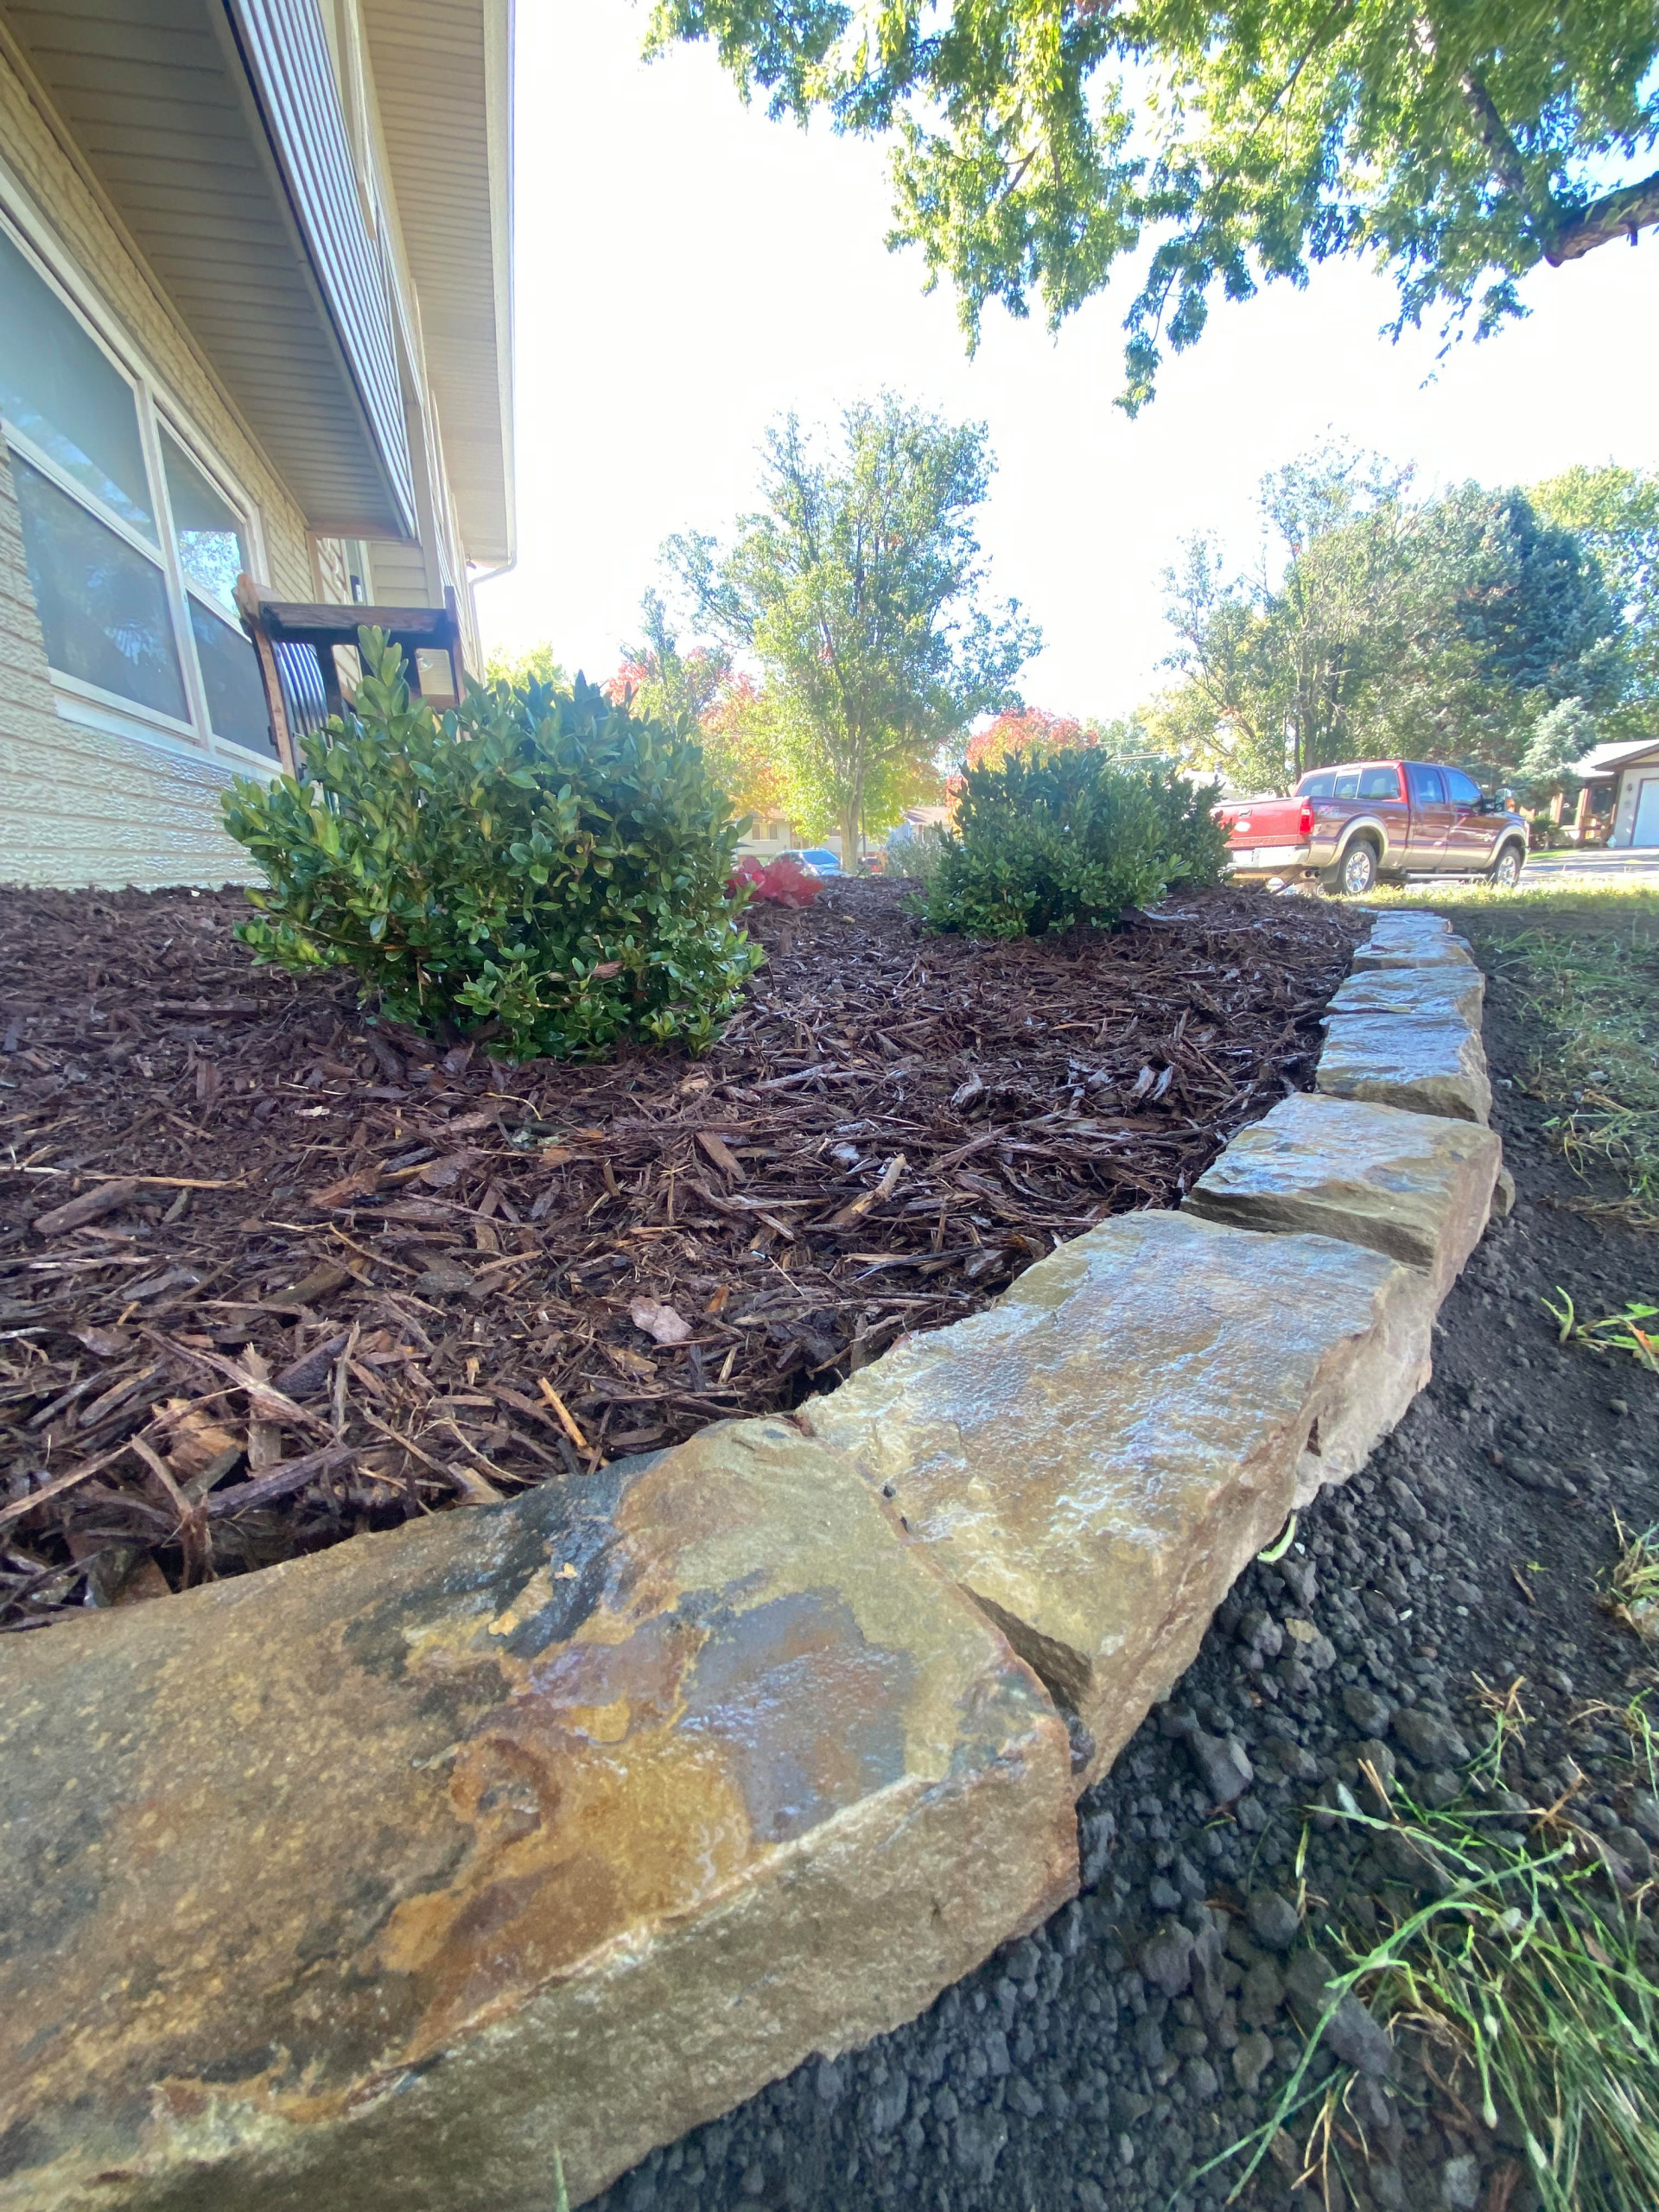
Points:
817	860
1372	821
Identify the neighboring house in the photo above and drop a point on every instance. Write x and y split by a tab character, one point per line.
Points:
1621	781
255	317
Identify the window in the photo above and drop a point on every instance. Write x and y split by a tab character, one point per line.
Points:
133	567
1315	786
212	554
1427	789
70	401
103	605
1379	783
1463	791
1347	785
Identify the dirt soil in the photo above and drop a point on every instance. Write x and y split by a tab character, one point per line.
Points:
271	1273
1083	2067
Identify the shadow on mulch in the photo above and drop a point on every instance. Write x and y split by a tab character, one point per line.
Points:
272	1273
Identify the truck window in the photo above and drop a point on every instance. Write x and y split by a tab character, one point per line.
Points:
1315	786
1427	789
1462	789
1348	785
1379	783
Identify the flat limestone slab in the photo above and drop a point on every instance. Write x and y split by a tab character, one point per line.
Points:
1433	988
1408	925
360	1885
1429	1064
1097	1456
1443	952
1416	1186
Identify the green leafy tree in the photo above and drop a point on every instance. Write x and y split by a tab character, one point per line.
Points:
659	678
859	587
1560	736
1457	143
1441	629
1283	666
1614	514
534	666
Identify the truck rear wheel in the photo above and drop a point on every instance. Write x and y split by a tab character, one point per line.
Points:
1506	871
1355	873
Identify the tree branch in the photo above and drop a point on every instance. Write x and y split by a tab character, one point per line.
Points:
1618	214
1493	133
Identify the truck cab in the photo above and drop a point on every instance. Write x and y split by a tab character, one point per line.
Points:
1363	822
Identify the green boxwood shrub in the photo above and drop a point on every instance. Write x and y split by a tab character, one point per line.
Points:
1049	839
540	868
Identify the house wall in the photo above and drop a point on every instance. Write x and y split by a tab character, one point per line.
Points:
69	206
92	795
1632	776
86	796
80	805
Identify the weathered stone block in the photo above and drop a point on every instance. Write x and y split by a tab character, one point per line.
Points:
366	1882
1097	1456
1440	953
1429	1064
1434	988
1408	925
1417	1186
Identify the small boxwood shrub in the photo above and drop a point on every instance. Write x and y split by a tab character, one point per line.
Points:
540	868
1049	840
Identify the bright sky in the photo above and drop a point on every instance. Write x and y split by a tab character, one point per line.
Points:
687	270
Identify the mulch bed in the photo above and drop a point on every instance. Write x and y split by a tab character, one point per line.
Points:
272	1273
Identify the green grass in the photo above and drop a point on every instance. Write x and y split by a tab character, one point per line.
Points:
1632	1591
1530	1990
1586	957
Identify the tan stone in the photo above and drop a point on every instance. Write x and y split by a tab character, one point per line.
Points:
360	1885
1433	1063
1408	925
1416	1186
1097	1456
1433	987
1438	953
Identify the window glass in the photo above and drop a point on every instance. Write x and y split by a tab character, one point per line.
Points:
212	550
57	388
1427	788
103	605
1348	786
230	676
1314	787
1464	790
1379	783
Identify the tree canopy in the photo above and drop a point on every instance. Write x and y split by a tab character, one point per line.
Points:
1457	143
859	588
1445	629
1614	514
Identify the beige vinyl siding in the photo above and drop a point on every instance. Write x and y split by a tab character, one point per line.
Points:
78	805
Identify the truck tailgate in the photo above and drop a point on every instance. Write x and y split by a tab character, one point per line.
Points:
1267	832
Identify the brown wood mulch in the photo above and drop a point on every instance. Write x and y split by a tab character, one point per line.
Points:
272	1273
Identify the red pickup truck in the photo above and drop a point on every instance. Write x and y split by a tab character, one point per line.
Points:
1371	820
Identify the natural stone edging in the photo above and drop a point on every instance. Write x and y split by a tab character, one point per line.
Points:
374	1879
523	1883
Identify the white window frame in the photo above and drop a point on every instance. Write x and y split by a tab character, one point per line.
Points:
155	407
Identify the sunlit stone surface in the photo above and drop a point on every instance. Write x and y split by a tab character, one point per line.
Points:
366	1882
1097	1456
1417	1186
